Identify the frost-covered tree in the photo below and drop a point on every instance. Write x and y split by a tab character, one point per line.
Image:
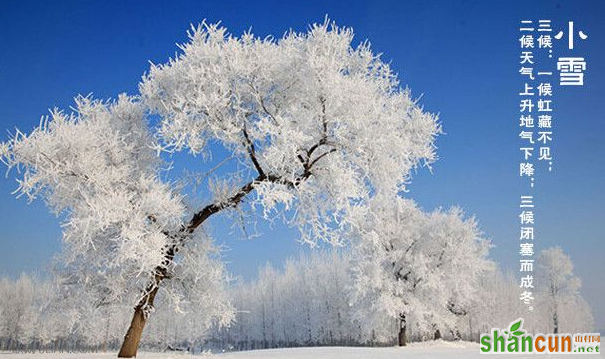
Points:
558	285
417	266
498	304
18	310
314	125
98	169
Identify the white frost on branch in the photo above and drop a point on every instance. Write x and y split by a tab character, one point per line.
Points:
97	168
319	124
410	265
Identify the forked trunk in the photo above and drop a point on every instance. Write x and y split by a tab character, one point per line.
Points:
133	335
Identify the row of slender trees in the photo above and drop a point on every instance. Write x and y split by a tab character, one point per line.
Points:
308	302
311	302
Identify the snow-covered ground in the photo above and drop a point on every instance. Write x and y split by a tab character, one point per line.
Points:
429	350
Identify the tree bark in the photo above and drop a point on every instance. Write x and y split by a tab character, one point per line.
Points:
437	335
135	331
555	314
401	338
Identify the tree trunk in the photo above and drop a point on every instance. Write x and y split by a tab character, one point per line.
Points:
133	335
437	335
555	314
402	340
106	334
457	335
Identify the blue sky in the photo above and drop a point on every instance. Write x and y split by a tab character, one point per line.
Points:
462	56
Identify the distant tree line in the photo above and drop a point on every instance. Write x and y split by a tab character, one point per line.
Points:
308	302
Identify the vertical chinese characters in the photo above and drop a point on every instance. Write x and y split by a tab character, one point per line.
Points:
536	123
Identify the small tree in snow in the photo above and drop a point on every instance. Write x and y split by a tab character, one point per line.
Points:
314	126
557	283
17	322
410	265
